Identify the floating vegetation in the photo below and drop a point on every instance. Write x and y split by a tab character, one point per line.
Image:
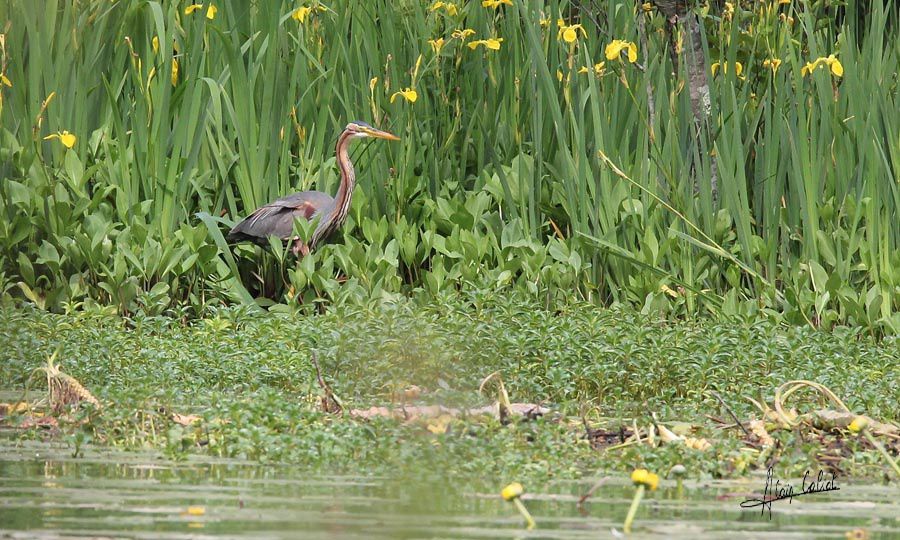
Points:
426	377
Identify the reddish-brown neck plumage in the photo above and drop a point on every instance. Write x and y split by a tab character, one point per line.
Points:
338	212
348	179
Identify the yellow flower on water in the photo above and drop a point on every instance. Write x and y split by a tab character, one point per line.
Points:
772	63
210	11
738	68
833	63
495	3
570	33
512	491
436	45
409	95
66	138
858	424
462	34
195	510
492	44
645	478
617	46
450	8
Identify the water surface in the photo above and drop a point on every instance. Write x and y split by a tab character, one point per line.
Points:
46	493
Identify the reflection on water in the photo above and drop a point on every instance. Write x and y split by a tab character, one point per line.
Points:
44	493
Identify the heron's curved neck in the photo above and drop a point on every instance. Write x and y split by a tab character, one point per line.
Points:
348	179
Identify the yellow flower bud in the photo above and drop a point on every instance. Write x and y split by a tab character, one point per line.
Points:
512	491
643	477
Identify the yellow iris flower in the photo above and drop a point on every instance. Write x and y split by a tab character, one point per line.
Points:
450	8
462	34
436	45
833	63
772	63
570	33
4	81
491	43
67	139
598	69
738	68
301	13
617	46
495	3
409	95
210	11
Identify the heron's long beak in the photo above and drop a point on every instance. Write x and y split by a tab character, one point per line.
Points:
382	134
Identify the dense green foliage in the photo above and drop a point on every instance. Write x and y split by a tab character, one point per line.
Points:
255	390
498	181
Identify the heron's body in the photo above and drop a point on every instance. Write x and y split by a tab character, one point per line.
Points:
277	218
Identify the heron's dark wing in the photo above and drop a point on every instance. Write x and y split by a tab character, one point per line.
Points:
277	217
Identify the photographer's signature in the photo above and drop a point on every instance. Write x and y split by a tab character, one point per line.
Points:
776	490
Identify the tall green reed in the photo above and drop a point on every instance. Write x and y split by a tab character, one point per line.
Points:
499	177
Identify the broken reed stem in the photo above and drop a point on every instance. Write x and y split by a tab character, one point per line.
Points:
730	412
591	491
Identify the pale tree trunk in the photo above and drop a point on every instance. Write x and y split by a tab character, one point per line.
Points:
683	22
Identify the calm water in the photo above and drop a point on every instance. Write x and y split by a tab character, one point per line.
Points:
44	493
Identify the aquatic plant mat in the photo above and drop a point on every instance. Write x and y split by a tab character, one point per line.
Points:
466	394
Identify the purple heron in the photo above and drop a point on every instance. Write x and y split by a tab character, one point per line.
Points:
277	217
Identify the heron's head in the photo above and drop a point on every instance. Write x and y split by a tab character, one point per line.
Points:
362	129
